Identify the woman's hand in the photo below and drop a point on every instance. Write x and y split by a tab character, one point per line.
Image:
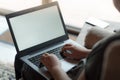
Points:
54	67
50	61
74	52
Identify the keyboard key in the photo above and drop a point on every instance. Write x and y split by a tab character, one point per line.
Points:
36	59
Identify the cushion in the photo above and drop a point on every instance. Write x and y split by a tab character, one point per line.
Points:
94	35
95	59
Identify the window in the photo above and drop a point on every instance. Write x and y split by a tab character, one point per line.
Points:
8	6
16	5
75	12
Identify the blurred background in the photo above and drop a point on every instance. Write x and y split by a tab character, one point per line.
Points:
75	12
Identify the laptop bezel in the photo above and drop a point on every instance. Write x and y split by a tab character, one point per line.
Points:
43	45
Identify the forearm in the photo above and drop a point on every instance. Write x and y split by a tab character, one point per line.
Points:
59	74
84	53
87	51
82	76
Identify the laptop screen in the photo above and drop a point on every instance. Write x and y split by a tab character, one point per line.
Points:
33	28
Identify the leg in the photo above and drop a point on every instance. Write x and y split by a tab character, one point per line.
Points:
18	66
24	71
29	74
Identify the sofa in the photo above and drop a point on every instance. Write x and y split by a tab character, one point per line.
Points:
111	66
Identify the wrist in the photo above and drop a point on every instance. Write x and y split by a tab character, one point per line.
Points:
55	72
55	69
88	51
58	73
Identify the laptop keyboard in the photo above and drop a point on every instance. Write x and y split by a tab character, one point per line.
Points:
36	59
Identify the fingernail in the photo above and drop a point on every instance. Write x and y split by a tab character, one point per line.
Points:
68	51
46	54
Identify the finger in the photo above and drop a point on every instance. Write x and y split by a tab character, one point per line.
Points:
43	57
67	48
53	56
68	45
42	61
67	55
64	50
46	54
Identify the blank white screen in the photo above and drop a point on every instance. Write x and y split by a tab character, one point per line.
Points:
37	27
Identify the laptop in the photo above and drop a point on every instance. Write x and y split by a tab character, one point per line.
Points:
38	30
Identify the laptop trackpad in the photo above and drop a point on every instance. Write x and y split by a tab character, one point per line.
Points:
66	66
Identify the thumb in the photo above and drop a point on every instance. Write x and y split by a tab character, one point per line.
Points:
67	54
